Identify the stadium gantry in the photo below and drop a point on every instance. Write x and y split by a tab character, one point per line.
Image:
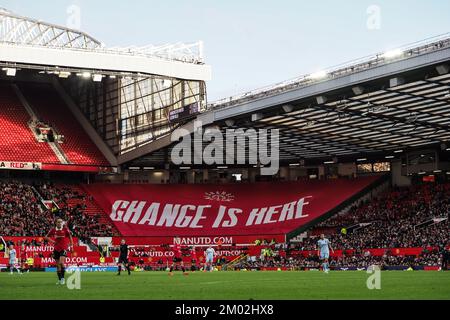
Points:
20	30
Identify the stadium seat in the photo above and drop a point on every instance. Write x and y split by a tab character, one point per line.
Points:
51	109
18	143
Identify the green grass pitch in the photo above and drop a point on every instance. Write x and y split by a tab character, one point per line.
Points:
230	285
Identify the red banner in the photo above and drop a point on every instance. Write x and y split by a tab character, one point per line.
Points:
214	210
15	165
75	168
224	240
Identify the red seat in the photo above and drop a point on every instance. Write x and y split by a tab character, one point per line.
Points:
50	108
17	142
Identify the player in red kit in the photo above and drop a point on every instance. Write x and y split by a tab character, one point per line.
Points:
177	257
60	234
193	258
23	259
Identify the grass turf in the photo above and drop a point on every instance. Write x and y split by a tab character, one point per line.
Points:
230	285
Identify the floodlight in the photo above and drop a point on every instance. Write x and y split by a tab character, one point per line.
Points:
393	53
97	77
10	72
318	75
86	75
64	74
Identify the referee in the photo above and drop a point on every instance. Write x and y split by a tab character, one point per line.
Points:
123	257
445	257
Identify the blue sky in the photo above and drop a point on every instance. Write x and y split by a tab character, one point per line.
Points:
253	43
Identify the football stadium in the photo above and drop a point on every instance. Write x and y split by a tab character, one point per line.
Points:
120	179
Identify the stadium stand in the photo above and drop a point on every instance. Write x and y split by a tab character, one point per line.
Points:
85	218
402	227
90	208
50	108
17	140
415	216
22	214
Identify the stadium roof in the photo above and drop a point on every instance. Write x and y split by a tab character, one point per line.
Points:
21	30
402	102
30	43
391	101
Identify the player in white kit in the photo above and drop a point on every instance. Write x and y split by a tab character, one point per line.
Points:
210	253
12	259
323	250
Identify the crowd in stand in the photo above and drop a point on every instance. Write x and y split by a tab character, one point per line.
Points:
383	234
400	218
407	217
23	214
82	225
